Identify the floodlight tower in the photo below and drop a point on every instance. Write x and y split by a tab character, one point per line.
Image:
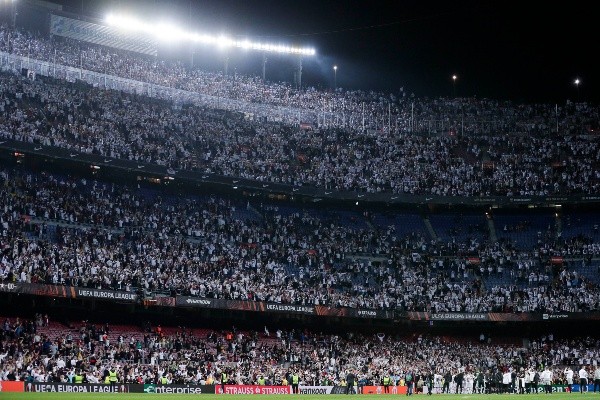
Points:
173	33
335	77
454	78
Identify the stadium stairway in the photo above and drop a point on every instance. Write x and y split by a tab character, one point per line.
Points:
430	229
492	229
255	211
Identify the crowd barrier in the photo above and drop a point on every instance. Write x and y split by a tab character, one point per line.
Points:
71	292
47	387
43	387
252	389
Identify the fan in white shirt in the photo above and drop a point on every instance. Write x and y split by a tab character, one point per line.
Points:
569	377
583	378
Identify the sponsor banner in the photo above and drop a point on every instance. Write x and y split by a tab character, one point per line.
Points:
102	35
34	289
162	301
500	317
342	389
197	302
590	316
179	389
546	317
353	312
76	388
576	387
77	292
10	287
289	308
253	389
590	198
315	389
565	389
66	291
186	301
381	390
136	388
11	386
459	316
242	305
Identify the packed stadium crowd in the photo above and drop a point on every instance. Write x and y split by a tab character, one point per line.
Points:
377	110
532	161
63	230
74	231
118	125
85	352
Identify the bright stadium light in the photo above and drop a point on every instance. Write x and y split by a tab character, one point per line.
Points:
223	42
167	32
129	24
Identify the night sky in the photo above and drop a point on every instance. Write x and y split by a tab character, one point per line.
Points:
518	50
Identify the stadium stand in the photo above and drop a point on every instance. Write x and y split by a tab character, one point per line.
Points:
52	352
529	160
73	231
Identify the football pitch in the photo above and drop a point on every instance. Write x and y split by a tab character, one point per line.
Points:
141	396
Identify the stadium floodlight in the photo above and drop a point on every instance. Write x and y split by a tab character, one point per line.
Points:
168	32
454	78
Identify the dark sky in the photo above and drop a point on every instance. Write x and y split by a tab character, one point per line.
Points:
524	51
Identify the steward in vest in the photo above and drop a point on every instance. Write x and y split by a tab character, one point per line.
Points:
164	380
78	378
224	380
295	383
386	384
261	381
112	377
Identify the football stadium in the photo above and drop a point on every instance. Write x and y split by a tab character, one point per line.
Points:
239	199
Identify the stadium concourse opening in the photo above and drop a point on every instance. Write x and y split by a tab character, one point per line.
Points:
172	228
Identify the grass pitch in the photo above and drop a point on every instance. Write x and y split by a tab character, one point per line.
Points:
141	396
